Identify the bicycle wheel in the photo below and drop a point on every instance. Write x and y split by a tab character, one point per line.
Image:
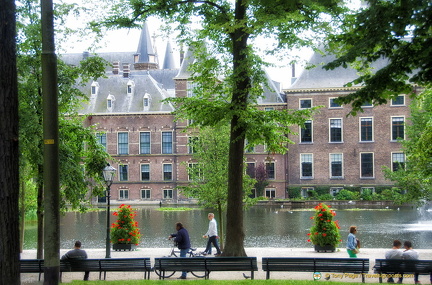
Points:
168	274
199	274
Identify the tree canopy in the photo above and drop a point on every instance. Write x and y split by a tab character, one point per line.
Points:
395	31
229	70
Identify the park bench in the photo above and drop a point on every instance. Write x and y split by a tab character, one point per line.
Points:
205	264
91	265
401	266
319	265
32	266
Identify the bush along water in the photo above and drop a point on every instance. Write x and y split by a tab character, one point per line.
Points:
325	231
125	230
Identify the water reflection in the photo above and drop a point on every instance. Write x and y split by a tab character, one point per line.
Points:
264	227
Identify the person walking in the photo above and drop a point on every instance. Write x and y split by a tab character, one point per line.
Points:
183	243
353	243
212	236
395	253
77	253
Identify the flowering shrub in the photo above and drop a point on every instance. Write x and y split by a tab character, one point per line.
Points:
325	231
125	229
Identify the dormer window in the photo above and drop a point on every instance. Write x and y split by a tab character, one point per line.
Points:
94	88
130	87
146	101
110	102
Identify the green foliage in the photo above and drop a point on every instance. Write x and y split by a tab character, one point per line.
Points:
415	175
326	196
208	171
347	195
81	157
325	231
395	30
125	229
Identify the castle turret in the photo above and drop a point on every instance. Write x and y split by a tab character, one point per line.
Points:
146	57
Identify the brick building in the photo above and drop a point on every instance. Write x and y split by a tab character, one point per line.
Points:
150	148
339	151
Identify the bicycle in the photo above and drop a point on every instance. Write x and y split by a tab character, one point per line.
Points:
174	252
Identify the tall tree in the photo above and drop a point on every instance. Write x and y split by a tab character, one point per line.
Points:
397	31
231	30
76	141
9	174
208	172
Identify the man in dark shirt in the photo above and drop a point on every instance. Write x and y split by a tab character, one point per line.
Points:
77	253
183	243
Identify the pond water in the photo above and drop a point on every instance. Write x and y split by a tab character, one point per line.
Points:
265	226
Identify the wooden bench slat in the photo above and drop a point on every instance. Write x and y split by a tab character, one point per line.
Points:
300	264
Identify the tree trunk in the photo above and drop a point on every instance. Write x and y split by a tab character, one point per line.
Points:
221	228
22	214
39	214
235	233
9	153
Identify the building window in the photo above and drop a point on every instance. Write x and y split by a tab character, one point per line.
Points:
306	132
101	138
94	88
305	103
306	165
192	142
366	130
123	172
146	102
167	172
367	190
250	169
123	143
398	128
335	130
367	165
145	172
145	143
194	171
145	193
268	109
270	192
167	193
191	86
110	102
398	101
304	191
167	142
336	166
398	161
123	194
367	104
270	169
335	190
333	104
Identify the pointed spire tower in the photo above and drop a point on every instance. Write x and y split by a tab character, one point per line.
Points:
169	62
146	57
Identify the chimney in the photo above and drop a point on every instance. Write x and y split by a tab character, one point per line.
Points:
293	73
116	67
126	70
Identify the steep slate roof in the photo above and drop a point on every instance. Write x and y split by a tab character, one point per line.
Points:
319	78
145	48
169	62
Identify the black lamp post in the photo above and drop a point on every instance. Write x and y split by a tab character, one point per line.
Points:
108	173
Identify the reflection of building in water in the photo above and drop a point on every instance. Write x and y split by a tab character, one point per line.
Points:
332	151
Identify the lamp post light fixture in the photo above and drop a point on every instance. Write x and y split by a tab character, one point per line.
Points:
108	173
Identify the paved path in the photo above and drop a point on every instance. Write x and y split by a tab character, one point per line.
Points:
371	253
